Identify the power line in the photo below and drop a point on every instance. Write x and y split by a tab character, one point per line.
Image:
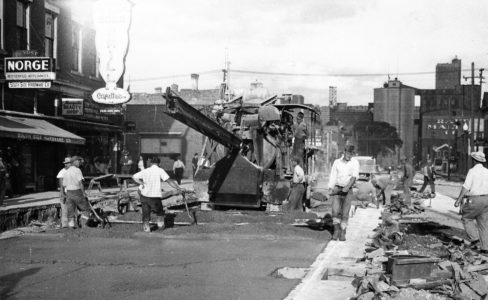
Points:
251	72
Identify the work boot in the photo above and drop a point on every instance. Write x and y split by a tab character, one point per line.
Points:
160	222
337	232
343	235
146	227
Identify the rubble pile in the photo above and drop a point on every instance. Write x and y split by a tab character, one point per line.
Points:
405	265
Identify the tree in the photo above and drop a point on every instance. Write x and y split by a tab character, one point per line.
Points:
374	138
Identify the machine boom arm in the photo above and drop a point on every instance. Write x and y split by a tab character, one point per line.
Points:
186	114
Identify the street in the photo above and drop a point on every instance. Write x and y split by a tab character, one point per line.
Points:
214	261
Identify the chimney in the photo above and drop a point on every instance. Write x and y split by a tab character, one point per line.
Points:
194	80
174	87
158	90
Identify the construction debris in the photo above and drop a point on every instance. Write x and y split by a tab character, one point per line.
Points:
444	267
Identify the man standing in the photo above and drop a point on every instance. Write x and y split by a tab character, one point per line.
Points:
151	192
194	163
75	191
298	187
178	169
62	192
343	174
474	210
407	180
428	177
125	162
300	135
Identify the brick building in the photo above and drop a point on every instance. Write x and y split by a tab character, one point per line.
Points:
37	128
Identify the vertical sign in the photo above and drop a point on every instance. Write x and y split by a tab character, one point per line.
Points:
112	20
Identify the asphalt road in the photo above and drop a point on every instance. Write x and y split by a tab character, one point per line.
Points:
224	261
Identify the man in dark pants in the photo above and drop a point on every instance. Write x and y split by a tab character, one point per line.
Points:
178	169
75	192
428	177
151	192
343	174
474	210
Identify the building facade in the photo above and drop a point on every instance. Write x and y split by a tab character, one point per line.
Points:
42	123
395	104
157	134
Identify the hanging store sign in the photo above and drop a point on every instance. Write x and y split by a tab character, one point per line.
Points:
29	68
29	84
112	20
72	107
111	111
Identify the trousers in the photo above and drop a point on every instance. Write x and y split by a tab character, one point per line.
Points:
429	181
149	204
296	197
75	199
475	219
341	205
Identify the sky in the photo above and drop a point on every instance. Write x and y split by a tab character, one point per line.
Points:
323	42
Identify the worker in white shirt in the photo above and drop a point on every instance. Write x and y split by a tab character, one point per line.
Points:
295	200
474	209
151	192
62	192
178	169
343	174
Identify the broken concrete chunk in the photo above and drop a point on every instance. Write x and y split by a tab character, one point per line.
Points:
376	253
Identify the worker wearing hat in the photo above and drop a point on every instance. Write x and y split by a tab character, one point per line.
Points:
62	192
473	199
408	174
343	174
126	162
75	191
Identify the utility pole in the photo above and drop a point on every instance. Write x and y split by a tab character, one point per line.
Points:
481	93
472	77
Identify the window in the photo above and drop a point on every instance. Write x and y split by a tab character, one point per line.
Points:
93	67
50	37
76	47
22	28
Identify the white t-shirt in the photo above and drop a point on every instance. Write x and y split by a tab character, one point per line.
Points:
476	181
152	177
60	176
298	175
71	178
342	171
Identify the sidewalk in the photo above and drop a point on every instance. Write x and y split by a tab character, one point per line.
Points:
52	197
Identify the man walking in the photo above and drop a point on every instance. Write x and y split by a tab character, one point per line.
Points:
407	180
178	169
151	192
75	191
62	192
298	187
428	177
474	210
343	174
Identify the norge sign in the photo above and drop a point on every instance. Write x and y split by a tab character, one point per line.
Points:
29	68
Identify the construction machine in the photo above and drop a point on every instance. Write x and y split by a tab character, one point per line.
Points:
249	145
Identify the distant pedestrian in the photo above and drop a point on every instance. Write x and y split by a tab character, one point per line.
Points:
194	163
407	179
300	135
140	164
62	192
295	200
151	192
75	191
126	162
474	209
178	169
343	174
429	177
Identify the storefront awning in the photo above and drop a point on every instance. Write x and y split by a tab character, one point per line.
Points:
38	130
